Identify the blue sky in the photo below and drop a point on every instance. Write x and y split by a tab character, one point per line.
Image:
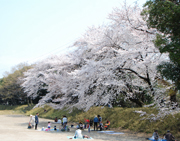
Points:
31	30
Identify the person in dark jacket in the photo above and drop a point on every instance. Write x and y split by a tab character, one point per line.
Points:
100	118
169	136
155	135
96	120
36	120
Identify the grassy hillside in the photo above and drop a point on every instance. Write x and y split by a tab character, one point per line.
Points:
121	118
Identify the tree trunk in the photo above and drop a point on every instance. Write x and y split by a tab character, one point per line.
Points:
137	101
28	101
31	102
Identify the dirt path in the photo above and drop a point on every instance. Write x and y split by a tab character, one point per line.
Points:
14	128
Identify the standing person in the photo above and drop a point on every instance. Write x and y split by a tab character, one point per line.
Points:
169	136
49	126
100	118
36	120
64	121
96	120
91	122
155	135
32	120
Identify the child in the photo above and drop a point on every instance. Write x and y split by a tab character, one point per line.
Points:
55	128
29	126
107	124
49	126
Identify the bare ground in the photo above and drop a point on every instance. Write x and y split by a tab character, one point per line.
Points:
14	128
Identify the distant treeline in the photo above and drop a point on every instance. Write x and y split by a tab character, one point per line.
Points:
11	93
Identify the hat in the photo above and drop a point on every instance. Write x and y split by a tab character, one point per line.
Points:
168	131
30	115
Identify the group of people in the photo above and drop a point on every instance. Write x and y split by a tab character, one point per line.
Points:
168	136
34	121
99	124
57	120
98	120
63	122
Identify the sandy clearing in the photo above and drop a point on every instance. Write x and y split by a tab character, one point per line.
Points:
14	128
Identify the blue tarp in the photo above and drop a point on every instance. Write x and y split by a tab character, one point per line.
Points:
152	139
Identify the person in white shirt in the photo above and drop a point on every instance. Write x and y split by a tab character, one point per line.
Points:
32	120
64	121
78	134
59	121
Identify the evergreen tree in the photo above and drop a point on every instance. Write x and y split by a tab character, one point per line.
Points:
164	15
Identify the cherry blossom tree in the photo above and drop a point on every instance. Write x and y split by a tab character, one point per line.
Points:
118	59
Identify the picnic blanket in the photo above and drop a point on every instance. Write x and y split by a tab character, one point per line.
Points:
152	139
111	132
72	137
48	130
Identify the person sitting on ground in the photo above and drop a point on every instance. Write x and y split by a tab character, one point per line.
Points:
55	128
78	134
107	124
169	136
55	120
80	125
29	126
59	121
155	135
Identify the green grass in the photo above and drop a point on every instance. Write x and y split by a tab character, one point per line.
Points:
121	118
7	110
